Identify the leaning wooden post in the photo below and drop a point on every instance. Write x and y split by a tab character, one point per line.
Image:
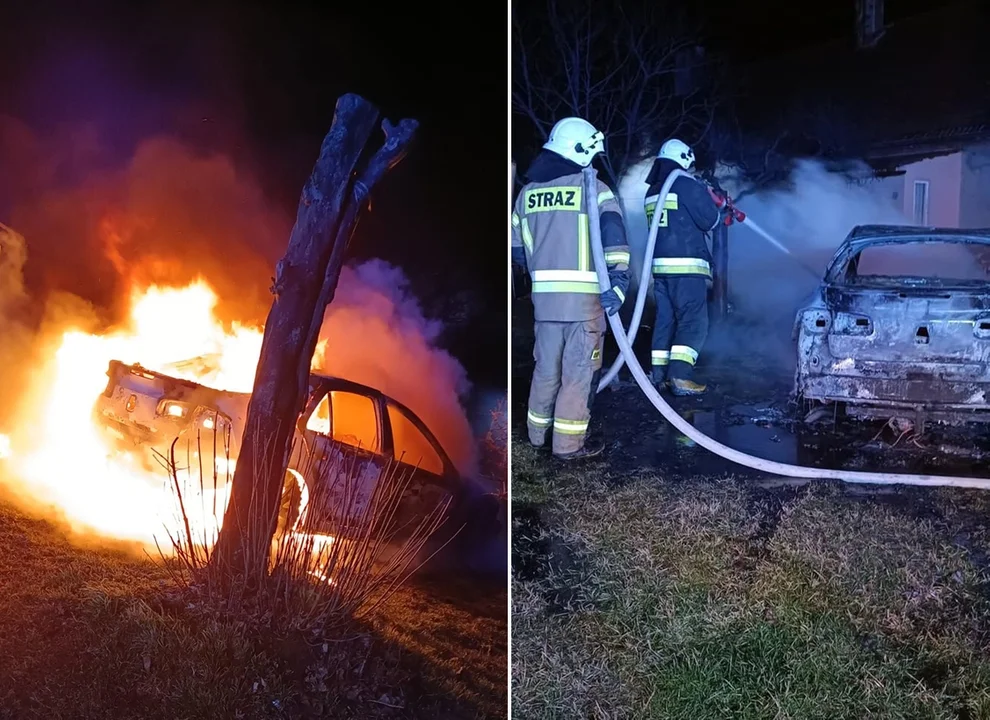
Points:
305	282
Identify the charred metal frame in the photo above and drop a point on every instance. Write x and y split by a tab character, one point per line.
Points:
841	358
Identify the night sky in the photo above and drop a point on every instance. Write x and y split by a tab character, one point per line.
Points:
260	84
772	28
789	68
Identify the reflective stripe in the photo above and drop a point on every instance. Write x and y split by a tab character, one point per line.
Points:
555	286
650	205
660	357
527	235
566	275
615	257
684	354
570	427
515	220
538	420
605	196
622	295
669	204
584	245
681	266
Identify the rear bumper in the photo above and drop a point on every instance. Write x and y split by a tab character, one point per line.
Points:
123	430
938	399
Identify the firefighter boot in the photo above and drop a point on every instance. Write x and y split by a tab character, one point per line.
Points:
591	448
686	388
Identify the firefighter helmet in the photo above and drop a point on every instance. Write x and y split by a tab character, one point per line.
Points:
576	139
678	151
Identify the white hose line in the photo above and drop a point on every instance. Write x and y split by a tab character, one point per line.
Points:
741	458
645	279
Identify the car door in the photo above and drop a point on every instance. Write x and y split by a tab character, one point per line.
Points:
343	432
432	479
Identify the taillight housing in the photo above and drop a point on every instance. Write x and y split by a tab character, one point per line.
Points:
173	409
852	324
816	322
211	420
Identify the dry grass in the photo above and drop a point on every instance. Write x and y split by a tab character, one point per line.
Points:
333	562
704	598
97	633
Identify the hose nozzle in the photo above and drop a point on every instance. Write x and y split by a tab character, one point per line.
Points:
734	215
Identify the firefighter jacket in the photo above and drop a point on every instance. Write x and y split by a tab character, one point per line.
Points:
550	237
688	214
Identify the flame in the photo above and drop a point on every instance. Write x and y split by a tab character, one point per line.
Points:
61	456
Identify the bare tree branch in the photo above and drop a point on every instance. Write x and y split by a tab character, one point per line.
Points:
614	65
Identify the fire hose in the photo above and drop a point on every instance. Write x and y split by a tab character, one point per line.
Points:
627	356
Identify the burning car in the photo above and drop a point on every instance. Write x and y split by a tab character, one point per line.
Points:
144	408
900	327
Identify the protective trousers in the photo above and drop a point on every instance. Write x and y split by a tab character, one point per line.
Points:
681	325
568	368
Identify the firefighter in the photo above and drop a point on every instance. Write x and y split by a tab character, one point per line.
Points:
682	268
550	239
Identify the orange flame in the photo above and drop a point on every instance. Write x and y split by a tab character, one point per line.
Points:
58	451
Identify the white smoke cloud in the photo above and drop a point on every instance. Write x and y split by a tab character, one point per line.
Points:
810	216
378	336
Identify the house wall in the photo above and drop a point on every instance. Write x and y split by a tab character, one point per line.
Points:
975	197
944	176
891	191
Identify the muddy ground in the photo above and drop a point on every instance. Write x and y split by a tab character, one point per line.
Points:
749	407
613	553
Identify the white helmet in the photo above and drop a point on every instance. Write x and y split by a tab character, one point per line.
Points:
576	139
678	151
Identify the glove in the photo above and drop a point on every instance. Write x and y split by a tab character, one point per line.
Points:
721	200
612	300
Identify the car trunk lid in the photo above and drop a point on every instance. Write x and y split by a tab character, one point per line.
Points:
946	332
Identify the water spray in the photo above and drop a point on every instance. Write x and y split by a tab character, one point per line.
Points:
748	222
627	355
734	215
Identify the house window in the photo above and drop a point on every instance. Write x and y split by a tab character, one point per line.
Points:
921	202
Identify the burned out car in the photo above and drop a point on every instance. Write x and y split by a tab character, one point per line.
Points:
900	327
144	408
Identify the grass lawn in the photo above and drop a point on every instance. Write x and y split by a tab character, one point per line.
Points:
98	632
696	598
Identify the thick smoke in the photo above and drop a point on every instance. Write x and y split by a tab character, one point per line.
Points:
810	216
165	217
378	336
169	216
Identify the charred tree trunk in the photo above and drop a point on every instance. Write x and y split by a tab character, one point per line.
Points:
304	284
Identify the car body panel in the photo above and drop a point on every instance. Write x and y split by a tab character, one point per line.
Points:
881	344
135	405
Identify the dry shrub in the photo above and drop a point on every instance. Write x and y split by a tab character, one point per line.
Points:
495	451
335	558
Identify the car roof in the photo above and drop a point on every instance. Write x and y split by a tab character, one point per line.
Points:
863	235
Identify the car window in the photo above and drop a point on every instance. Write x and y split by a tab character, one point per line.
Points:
354	421
411	445
944	261
319	421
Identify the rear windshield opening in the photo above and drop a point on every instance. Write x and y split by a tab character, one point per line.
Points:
943	263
